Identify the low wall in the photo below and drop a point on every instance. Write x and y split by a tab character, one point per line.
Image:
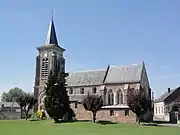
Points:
10	115
114	115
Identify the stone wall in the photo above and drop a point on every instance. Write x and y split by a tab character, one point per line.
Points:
10	115
114	115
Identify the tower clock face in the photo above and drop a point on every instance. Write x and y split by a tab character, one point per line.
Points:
45	55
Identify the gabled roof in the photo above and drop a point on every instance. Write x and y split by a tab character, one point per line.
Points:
112	74
124	74
165	95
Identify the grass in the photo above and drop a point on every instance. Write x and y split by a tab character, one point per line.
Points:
23	127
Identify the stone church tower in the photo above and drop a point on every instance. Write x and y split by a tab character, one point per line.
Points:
50	55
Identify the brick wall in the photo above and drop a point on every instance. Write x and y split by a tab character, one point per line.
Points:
104	114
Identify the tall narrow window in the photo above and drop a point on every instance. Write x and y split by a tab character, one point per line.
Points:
156	110
44	68
82	91
70	90
94	89
62	64
111	112
54	60
119	97
76	105
126	112
110	97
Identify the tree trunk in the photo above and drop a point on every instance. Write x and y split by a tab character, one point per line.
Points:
26	115
94	117
21	113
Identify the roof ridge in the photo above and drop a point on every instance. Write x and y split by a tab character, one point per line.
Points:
93	70
126	65
104	69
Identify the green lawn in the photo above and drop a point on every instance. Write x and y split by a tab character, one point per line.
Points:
23	127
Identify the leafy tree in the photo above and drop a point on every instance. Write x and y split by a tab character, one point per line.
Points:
12	94
57	102
173	107
138	103
26	102
93	103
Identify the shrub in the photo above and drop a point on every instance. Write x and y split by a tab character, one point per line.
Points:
41	115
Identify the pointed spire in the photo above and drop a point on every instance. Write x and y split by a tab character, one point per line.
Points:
51	35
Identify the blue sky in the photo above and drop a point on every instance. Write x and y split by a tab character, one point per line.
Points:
95	33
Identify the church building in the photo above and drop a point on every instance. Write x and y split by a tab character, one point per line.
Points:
112	82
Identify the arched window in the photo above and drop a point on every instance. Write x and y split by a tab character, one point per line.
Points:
110	97
44	68
119	97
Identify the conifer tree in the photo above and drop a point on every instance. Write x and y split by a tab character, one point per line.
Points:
57	100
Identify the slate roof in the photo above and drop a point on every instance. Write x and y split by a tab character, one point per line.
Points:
9	104
113	74
165	95
124	74
86	78
51	35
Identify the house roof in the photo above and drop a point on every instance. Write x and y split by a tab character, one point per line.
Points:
112	74
165	95
9	104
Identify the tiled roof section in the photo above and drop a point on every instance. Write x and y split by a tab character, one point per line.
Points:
86	78
123	74
9	104
165	96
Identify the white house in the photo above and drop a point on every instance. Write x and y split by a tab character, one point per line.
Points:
163	103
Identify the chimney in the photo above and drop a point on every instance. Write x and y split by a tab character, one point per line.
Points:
169	90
